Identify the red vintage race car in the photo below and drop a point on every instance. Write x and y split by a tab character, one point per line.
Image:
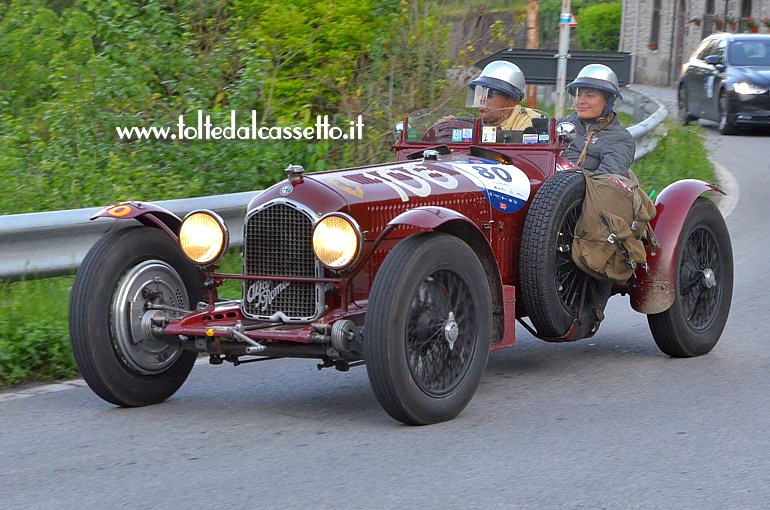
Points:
415	268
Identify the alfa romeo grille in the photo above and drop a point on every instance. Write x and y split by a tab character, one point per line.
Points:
277	242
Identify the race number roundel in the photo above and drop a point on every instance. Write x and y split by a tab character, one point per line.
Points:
506	187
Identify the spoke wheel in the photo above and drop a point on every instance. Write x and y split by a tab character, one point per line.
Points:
438	356
122	280
427	330
704	282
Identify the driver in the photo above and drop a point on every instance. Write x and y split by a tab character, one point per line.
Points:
496	92
602	144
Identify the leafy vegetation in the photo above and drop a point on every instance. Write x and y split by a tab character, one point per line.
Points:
600	27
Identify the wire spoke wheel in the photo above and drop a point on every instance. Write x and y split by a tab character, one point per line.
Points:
440	338
704	285
698	286
428	328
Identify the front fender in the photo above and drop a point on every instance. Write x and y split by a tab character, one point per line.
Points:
452	222
146	213
428	217
652	291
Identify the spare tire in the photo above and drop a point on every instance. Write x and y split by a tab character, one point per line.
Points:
554	291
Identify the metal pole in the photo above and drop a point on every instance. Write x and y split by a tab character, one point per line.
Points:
563	55
533	36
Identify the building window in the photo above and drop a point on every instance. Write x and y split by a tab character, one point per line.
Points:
709	15
655	29
746	22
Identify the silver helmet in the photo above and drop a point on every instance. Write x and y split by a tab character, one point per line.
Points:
501	76
596	76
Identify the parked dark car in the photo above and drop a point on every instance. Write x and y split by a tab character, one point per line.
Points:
727	80
417	268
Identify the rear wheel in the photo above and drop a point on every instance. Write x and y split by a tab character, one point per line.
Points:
427	330
555	291
704	286
725	126
124	276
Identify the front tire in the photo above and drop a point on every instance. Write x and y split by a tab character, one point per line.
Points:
725	126
704	286
427	330
122	276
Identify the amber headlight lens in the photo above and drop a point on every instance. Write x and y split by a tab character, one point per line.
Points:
336	241
203	237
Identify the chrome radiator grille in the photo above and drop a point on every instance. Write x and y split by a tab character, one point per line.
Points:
277	242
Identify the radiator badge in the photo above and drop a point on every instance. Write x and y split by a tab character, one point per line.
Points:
261	295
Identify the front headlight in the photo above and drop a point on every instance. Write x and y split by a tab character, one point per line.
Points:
336	241
203	237
745	87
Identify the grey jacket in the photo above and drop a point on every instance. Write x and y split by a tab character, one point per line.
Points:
611	151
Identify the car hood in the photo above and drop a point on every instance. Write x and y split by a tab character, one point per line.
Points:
505	187
758	75
373	195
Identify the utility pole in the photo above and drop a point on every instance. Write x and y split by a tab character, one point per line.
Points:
563	55
533	42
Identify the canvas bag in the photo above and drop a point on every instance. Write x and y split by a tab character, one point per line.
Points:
613	227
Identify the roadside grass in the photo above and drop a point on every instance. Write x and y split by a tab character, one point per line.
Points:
34	336
681	154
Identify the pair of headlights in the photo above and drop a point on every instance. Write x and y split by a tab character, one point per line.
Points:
336	239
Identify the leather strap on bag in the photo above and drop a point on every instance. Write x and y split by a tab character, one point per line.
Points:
594	128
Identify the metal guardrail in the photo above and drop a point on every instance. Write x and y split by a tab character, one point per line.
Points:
39	245
651	111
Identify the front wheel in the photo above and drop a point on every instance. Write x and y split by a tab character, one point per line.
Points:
126	275
725	126
703	286
427	330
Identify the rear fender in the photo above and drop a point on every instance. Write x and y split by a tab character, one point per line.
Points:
440	219
652	291
145	213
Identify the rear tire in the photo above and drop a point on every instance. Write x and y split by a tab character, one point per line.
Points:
125	272
694	323
428	328
685	117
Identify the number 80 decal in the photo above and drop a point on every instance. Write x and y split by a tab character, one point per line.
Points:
506	187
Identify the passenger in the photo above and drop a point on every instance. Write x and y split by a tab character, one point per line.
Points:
602	144
496	92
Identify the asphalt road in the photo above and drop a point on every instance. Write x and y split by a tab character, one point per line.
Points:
608	422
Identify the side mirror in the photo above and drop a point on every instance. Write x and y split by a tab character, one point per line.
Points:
566	133
714	60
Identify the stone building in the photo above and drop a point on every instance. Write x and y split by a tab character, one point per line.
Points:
661	34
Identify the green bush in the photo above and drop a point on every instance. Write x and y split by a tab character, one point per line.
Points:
599	27
34	344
